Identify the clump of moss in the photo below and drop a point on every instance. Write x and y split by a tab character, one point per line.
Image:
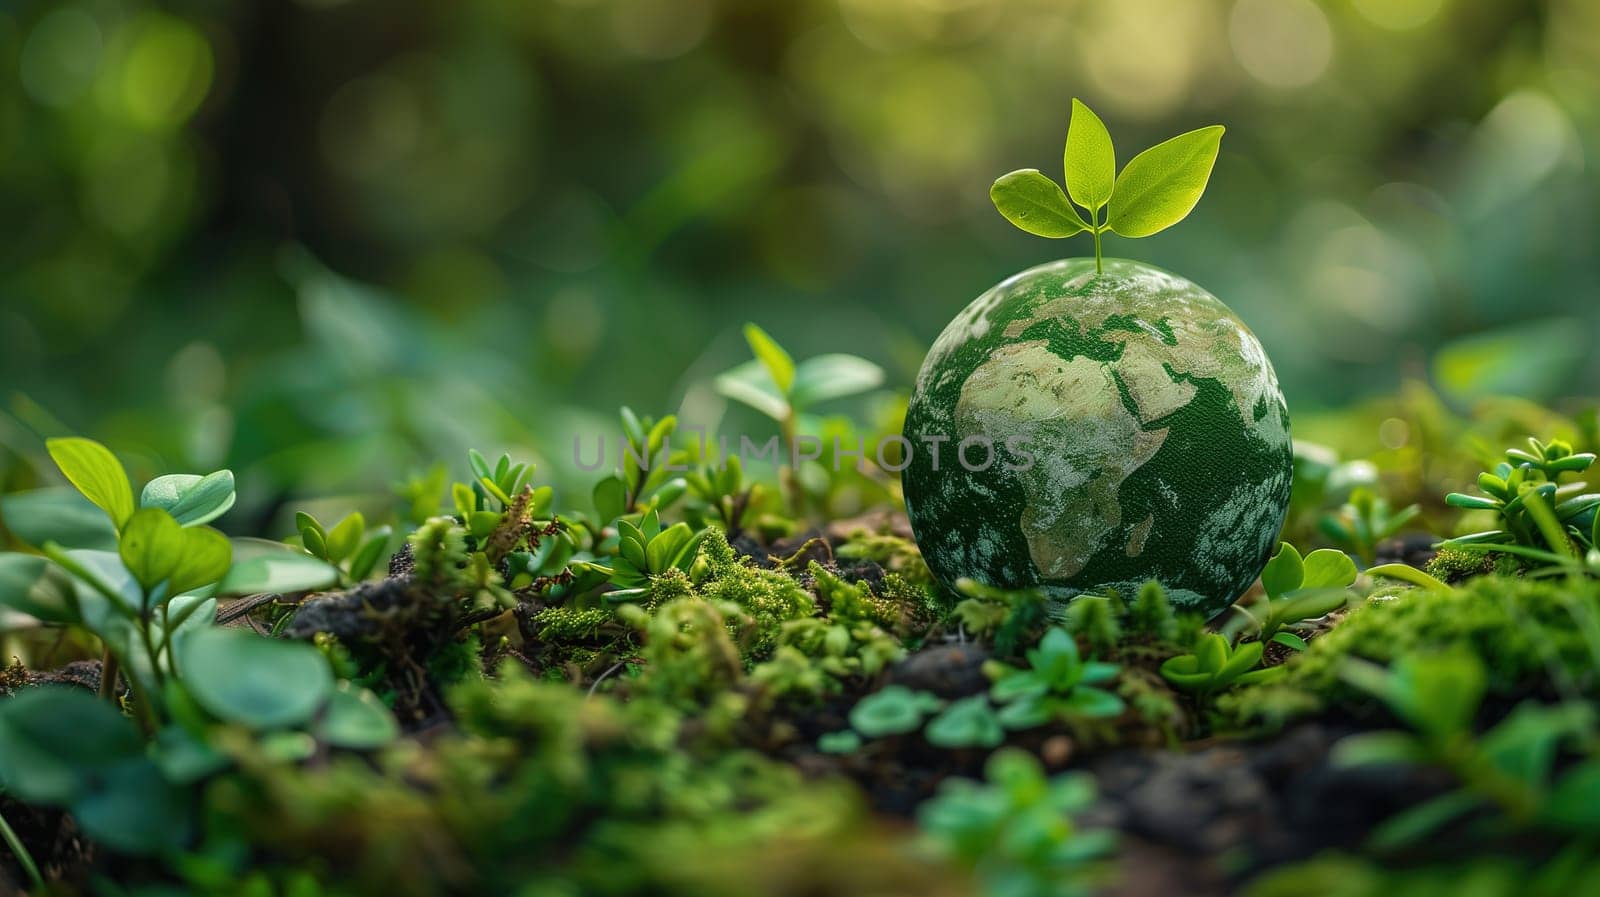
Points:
13	677
1453	565
568	624
894	554
1532	635
768	597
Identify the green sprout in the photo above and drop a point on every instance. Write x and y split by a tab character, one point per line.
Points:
1215	666
778	387
1364	521
1058	683
1155	190
1299	589
347	545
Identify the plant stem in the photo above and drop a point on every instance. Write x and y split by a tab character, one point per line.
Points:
24	859
1099	268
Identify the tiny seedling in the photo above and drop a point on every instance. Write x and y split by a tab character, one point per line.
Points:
647	550
648	462
1363	521
1156	189
892	710
778	387
1016	831
348	545
1058	684
1216	666
1299	589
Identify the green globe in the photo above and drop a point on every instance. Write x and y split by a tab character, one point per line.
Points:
1082	432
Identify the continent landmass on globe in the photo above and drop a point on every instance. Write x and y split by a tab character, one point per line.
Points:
1158	435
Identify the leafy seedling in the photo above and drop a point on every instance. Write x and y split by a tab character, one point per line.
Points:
892	710
778	387
1016	832
969	722
1156	189
648	550
645	481
1058	684
1510	768
1540	519
348	545
1299	589
1363	521
1215	666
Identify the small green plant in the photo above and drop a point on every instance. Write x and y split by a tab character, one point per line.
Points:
1510	768
1363	521
348	545
1540	518
1216	666
1299	589
725	493
646	479
893	710
645	551
1015	832
778	387
1058	684
1156	189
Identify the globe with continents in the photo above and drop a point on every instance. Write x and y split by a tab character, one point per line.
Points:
1137	433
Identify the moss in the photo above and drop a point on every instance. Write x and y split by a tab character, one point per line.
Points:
894	554
1534	636
570	624
1453	565
767	597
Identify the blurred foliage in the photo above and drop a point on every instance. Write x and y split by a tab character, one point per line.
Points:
542	210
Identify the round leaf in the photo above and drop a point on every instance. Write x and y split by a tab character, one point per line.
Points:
356	719
262	566
58	515
263	683
190	499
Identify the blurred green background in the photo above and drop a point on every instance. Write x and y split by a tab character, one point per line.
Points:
329	242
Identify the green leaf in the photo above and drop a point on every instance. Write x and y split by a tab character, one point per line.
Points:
1090	160
1328	568
263	566
832	376
1160	186
55	740
96	473
751	384
1036	204
1408	573
344	538
966	723
370	553
779	366
60	515
1095	703
156	549
1290	640
264	683
38	588
610	498
134	809
357	720
1388	748
1417	822
1284	573
190	499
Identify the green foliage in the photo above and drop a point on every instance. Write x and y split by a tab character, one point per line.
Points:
1528	634
892	710
1016	832
646	551
1364	521
1510	768
348	545
1058	684
1299	589
1539	517
769	597
1215	666
1157	189
645	482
